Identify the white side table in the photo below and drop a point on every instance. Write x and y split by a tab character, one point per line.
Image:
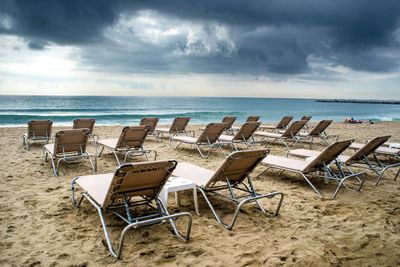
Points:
176	184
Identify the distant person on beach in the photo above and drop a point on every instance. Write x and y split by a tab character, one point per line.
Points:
353	121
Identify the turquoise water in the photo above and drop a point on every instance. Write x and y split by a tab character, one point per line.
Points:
18	110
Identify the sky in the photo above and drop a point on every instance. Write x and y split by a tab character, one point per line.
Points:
243	48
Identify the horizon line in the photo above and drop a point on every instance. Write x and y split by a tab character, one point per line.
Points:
158	96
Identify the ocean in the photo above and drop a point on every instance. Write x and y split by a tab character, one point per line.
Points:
128	110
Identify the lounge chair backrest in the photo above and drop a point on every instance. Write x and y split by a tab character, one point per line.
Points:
132	136
39	128
211	133
293	129
320	128
179	124
284	122
368	148
139	179
252	118
237	166
150	122
306	118
228	120
84	123
246	131
328	155
71	141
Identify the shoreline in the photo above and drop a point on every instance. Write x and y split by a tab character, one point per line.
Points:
168	124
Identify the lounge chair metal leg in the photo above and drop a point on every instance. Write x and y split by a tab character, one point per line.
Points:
201	153
101	151
243	202
385	169
311	184
343	180
175	229
117	252
397	175
116	157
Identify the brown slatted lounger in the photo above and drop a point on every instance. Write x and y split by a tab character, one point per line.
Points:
130	143
86	123
318	166
229	177
319	132
359	159
151	123
252	118
229	121
290	134
121	192
69	145
178	126
282	125
38	131
208	138
243	136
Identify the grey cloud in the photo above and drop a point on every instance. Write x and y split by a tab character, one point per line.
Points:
37	45
268	37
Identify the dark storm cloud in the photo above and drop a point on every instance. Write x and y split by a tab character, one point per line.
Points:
269	36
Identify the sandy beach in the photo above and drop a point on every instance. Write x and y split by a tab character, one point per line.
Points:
39	227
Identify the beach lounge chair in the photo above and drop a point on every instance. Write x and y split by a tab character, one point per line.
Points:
249	119
317	166
243	136
229	177
69	146
359	159
121	192
38	131
208	138
151	122
318	132
282	125
129	143
229	120
290	134
178	126
88	124
252	118
382	150
307	119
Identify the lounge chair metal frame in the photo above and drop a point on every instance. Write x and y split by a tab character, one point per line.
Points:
123	148
238	186
31	137
200	142
328	173
159	215
68	156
